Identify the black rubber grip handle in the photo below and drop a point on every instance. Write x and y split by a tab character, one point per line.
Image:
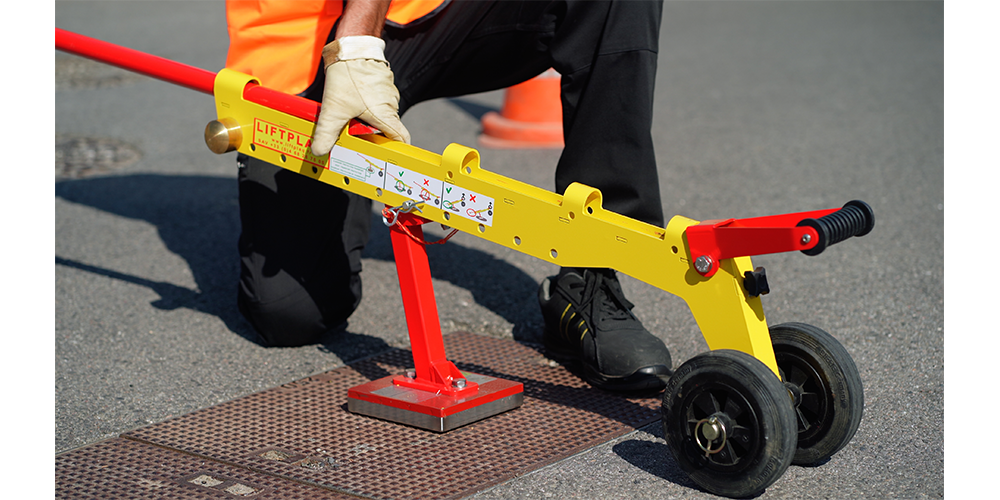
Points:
856	218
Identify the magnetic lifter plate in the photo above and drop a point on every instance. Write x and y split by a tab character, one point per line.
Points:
435	412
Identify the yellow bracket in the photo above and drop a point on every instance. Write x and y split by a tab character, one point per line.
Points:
569	230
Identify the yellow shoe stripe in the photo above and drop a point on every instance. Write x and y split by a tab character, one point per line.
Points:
563	325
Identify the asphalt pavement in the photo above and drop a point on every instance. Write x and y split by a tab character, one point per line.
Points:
761	108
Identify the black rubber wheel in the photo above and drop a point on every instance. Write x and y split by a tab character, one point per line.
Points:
729	423
826	389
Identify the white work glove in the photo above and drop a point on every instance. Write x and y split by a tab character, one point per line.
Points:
359	84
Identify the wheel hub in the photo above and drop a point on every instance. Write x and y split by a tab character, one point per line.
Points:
711	429
795	392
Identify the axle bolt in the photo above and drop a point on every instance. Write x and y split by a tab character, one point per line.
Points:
703	264
711	428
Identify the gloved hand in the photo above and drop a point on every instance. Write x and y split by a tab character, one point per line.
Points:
359	84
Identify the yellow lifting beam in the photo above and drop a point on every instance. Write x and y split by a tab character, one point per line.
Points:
571	230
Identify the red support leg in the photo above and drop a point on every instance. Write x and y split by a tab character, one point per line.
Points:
434	372
435	395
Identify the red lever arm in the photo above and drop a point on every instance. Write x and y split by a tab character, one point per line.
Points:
714	240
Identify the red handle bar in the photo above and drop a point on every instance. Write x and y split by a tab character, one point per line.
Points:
188	76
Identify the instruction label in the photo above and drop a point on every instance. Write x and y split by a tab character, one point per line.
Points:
411	184
468	204
414	185
358	166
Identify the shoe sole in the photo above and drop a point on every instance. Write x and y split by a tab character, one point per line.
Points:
634	382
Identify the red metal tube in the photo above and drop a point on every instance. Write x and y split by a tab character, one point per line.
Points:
133	60
286	103
180	74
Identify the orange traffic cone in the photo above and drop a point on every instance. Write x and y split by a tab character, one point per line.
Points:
531	116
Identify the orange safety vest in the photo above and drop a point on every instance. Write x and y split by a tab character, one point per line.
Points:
281	41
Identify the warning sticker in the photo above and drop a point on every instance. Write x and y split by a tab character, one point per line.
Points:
414	185
379	173
285	141
358	166
468	204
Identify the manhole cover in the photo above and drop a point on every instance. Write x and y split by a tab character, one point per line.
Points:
303	433
78	157
73	72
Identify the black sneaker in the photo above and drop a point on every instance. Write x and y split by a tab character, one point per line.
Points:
588	318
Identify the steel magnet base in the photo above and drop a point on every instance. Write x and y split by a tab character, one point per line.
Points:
435	412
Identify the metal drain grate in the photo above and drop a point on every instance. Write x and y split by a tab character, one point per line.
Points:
302	430
561	416
78	157
121	468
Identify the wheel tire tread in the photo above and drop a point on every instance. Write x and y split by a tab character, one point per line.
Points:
842	372
775	408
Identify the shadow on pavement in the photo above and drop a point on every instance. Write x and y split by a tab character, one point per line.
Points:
584	398
654	457
197	217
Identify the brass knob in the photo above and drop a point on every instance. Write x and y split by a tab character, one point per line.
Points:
223	135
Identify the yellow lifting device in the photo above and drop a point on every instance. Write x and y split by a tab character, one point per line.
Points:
734	418
571	230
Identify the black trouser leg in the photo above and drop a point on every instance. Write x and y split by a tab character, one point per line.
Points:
607	135
606	52
300	253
